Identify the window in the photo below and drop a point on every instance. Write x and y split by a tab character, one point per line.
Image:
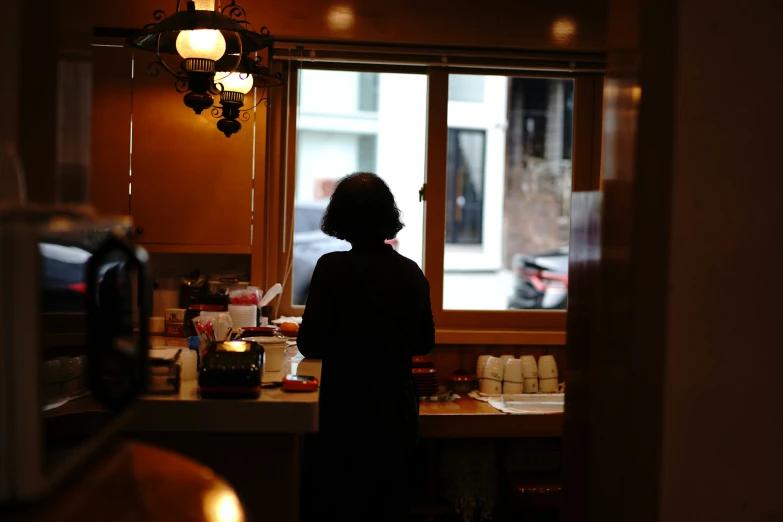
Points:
465	186
387	138
500	154
508	190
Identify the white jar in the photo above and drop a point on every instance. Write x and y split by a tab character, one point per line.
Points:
189	362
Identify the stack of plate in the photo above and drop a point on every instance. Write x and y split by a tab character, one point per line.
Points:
426	380
422	361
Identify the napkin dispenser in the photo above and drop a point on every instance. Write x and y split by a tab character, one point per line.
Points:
231	369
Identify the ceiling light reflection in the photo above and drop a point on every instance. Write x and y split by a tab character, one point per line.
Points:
563	30
340	18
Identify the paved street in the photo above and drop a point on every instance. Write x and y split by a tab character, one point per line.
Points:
477	291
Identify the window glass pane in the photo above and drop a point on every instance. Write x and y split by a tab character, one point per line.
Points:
465	186
466	88
348	122
368	92
508	194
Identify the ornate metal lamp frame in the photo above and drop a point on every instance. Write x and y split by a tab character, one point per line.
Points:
196	77
230	109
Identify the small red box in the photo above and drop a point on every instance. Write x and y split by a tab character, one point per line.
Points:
175	329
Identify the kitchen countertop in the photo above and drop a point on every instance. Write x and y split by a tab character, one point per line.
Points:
469	418
275	411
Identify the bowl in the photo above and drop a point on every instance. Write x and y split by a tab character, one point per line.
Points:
462	381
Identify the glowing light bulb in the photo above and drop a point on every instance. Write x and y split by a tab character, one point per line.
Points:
204	5
235	82
201	43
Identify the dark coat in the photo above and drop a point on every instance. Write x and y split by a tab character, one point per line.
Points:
368	312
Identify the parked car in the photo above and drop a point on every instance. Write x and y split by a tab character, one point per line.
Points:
310	244
540	281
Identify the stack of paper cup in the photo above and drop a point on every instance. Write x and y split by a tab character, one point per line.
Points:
491	376
512	376
482	361
547	374
243	316
530	374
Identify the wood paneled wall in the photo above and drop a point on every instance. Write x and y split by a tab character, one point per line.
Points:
573	25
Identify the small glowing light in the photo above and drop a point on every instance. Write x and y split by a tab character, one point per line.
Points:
340	17
563	30
204	5
235	346
235	82
636	93
201	43
223	506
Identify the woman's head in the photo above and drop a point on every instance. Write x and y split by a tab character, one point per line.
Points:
362	210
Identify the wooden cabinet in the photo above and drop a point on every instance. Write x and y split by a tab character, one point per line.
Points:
187	186
110	129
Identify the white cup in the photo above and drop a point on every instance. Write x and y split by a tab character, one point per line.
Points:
512	371
493	368
274	350
490	386
482	360
309	367
530	385
512	387
547	367
506	358
157	325
529	366
548	385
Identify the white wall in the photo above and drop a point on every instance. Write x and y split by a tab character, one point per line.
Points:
402	121
490	116
327	92
323	155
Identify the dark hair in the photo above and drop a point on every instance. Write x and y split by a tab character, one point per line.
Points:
362	210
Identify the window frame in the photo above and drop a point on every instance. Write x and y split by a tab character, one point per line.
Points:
540	327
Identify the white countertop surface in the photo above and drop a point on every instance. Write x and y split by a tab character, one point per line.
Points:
275	411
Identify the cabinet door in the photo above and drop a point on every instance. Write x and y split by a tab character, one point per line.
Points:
191	187
110	129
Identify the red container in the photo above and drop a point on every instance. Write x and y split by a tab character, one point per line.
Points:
195	311
258	331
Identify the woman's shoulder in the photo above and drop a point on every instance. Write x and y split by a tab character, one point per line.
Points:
333	258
